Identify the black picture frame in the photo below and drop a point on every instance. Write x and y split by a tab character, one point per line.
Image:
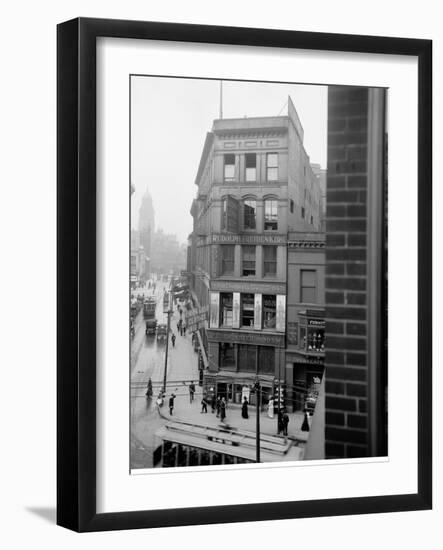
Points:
76	280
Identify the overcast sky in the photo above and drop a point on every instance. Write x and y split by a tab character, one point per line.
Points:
170	118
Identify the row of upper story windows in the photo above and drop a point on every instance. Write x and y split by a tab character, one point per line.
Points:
250	167
248	266
270	216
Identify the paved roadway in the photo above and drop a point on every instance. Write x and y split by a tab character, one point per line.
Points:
148	361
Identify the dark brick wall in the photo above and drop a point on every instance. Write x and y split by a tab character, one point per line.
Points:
346	282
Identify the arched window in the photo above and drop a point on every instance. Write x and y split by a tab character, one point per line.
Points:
249	214
271	215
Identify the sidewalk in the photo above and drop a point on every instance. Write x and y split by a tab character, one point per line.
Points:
183	368
191	412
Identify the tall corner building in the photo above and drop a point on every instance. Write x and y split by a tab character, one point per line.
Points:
255	188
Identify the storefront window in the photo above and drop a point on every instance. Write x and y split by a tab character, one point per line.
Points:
269	311
316	339
247	310
225	309
227	356
266	360
247	356
302	340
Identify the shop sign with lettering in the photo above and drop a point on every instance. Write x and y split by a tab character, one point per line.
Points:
247	239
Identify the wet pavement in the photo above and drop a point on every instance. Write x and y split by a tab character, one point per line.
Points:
148	361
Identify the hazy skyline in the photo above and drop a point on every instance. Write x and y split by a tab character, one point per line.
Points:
169	121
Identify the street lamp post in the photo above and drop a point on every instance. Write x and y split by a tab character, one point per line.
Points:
169	312
258	400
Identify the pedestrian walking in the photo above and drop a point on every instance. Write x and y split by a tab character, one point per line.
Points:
223	409
271	408
204	405
218	406
191	392
213	403
244	408
305	425
279	422
173	340
285	422
184	330
178	326
171	403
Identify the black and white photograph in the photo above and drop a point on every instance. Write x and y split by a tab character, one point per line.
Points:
258	272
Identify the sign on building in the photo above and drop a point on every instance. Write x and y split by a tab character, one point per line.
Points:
257	311
281	312
214	311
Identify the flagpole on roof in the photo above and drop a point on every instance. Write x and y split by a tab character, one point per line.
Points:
221	99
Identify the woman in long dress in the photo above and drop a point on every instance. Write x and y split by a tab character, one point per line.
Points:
244	408
271	408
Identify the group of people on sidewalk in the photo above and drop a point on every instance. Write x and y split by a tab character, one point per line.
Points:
219	405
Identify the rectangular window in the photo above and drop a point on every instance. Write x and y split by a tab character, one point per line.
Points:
249	214
227	356
303	212
227	263
229	167
271	215
251	166
223	214
315	339
308	286
312	220
269	307
272	167
225	309
247	310
248	261
247	357
269	261
266	360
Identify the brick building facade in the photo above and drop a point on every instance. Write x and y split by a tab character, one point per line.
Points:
356	366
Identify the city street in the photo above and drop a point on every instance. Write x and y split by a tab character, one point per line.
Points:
148	361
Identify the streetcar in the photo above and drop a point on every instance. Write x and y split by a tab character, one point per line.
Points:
182	444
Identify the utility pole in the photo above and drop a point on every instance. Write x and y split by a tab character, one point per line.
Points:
258	402
169	312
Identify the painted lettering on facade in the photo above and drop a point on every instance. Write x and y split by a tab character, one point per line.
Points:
247	239
259	339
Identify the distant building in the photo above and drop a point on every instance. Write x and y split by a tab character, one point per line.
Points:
255	187
168	256
146	227
305	337
138	259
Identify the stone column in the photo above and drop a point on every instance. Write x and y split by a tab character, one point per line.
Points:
237	260
281	262
259	261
